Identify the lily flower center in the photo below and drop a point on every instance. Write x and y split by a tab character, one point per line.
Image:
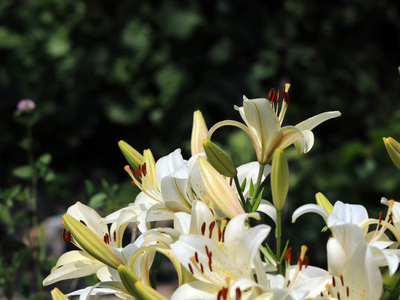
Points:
141	179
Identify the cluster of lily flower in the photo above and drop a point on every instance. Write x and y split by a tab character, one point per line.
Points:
215	251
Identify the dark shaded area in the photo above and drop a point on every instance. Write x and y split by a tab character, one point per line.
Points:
136	70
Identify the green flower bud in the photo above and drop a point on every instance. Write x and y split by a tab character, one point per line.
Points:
90	242
56	294
323	202
393	148
279	178
133	157
219	159
136	287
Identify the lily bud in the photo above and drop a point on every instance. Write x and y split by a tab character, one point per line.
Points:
56	294
136	287
199	133
279	178
218	190
219	159
133	157
323	202
90	242
393	148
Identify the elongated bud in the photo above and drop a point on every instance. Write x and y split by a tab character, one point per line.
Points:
219	159
323	202
90	242
56	294
218	189
393	148
133	157
136	287
279	178
199	133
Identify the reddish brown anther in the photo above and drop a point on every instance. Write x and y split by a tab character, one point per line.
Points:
83	222
190	268
288	255
144	170
238	294
306	262
299	261
286	97
106	239
271	95
66	236
211	227
115	235
203	228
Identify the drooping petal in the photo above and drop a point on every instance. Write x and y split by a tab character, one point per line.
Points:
314	121
309	208
73	264
267	208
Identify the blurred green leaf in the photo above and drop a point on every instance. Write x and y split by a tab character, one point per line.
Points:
23	172
98	200
45	158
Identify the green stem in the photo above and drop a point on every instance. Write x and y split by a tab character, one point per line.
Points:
235	178
34	235
278	233
258	183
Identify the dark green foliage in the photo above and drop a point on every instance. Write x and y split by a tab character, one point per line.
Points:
102	71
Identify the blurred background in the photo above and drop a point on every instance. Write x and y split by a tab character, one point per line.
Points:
104	71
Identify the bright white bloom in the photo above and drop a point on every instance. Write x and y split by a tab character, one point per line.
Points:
263	125
225	265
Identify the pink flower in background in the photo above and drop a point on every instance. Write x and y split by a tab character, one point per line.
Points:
26	105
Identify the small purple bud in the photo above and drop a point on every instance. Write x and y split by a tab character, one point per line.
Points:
26	105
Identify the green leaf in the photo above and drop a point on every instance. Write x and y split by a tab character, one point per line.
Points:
243	185
251	191
257	201
5	216
45	159
98	200
23	172
50	176
89	187
11	192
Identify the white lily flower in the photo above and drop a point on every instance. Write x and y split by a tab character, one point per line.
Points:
218	264
164	190
351	261
263	125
